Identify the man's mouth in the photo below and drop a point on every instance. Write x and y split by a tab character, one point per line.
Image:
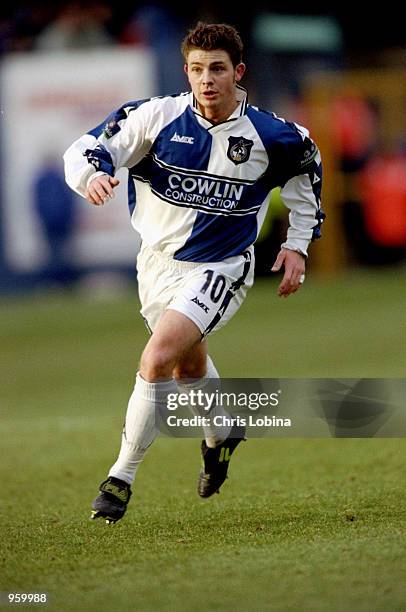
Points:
209	94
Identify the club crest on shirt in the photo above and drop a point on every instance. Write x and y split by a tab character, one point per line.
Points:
239	149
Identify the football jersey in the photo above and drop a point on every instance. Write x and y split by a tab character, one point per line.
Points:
198	191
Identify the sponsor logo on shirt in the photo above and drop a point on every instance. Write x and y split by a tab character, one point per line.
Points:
182	139
208	192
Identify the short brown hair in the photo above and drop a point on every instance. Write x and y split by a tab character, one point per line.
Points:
212	36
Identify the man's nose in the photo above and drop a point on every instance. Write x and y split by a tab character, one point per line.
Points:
207	77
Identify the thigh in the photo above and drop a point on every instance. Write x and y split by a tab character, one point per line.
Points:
157	285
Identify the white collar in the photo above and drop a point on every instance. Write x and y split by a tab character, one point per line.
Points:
239	111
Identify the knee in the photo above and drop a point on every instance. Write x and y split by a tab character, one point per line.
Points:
186	370
156	364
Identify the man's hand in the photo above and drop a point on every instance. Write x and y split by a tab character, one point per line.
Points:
101	189
294	265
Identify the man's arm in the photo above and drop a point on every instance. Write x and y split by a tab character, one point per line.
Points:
301	194
120	141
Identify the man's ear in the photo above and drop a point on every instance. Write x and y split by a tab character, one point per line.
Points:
185	69
239	72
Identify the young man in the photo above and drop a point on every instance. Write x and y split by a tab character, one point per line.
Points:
201	167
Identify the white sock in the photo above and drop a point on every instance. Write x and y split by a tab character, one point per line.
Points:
214	434
140	429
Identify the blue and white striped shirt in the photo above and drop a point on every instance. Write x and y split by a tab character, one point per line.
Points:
198	191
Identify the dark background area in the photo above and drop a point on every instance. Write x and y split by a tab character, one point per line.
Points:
365	30
369	39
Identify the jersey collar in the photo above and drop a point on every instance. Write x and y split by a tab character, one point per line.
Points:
241	95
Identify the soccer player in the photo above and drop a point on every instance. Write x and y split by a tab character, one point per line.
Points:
201	167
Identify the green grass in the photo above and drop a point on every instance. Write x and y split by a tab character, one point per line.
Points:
279	535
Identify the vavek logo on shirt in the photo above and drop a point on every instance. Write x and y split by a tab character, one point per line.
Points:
182	139
239	149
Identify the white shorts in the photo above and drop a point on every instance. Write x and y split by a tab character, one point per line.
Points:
208	293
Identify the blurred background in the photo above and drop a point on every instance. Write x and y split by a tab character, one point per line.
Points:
66	65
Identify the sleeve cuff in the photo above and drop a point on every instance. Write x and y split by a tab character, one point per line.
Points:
298	245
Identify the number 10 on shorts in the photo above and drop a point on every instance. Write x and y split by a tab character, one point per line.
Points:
217	285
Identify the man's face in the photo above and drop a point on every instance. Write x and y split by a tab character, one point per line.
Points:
212	78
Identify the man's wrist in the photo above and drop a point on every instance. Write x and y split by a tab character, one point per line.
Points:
295	249
94	175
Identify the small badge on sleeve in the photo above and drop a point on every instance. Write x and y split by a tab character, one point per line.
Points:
310	152
111	128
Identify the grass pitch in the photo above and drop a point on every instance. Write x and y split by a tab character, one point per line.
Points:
299	525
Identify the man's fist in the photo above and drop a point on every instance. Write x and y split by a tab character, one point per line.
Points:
100	189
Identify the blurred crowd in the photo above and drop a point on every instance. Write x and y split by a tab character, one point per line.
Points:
58	25
79	24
